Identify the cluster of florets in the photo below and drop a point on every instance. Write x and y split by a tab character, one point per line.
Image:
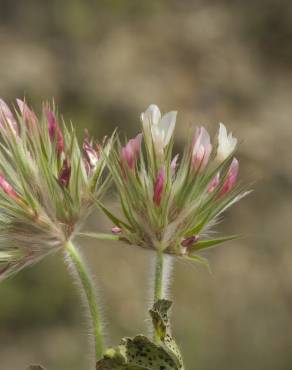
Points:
171	204
48	184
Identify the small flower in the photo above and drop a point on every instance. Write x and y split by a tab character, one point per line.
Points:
7	188
174	164
116	230
158	187
130	153
91	155
231	177
226	143
159	128
29	116
214	183
171	206
45	194
65	173
190	241
55	131
7	118
202	149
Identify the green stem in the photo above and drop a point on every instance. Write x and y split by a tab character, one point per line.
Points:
89	292
158	282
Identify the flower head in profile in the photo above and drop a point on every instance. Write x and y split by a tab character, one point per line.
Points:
48	184
167	205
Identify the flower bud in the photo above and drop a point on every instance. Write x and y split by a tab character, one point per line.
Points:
131	152
116	230
91	156
173	164
190	241
65	173
54	131
158	187
214	183
7	188
231	177
27	114
6	117
202	148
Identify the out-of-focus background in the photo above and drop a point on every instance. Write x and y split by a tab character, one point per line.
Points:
104	62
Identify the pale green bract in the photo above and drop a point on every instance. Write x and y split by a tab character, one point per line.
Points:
48	184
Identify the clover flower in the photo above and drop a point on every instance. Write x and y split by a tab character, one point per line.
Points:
167	206
48	184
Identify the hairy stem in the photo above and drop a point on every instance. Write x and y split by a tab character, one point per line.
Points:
158	282
89	295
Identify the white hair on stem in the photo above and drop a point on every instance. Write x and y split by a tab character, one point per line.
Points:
167	268
84	301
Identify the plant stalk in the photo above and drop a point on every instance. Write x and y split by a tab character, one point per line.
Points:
158	282
89	296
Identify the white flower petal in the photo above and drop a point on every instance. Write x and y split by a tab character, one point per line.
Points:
167	125
151	116
226	143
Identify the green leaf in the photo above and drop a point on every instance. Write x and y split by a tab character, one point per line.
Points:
140	353
204	244
160	320
35	367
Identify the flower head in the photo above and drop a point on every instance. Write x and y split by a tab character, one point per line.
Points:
167	205
226	143
45	190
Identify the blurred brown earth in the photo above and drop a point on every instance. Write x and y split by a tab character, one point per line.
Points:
104	62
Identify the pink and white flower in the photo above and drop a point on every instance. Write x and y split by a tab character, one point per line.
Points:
231	177
202	149
130	153
158	128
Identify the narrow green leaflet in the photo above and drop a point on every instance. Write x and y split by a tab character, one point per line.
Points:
204	244
35	367
113	218
140	353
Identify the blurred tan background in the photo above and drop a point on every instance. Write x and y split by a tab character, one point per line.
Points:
104	62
